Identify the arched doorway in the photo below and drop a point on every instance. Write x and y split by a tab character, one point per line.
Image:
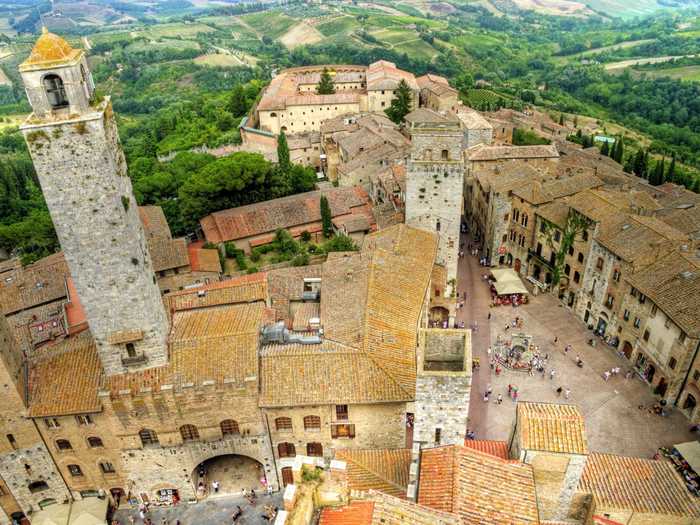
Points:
439	315
232	472
627	349
661	388
516	265
649	373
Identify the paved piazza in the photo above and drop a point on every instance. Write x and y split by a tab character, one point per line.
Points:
614	422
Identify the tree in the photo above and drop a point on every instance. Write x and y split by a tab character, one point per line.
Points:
671	174
339	243
237	104
464	81
638	167
605	149
401	104
618	150
326	217
657	177
561	119
283	153
325	86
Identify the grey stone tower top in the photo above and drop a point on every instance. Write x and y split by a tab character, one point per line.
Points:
74	144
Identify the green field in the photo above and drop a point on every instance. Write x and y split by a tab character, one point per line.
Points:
691	73
624	8
340	25
417	49
175	30
270	23
476	98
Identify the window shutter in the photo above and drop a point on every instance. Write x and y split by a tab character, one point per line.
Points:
351	431
334	431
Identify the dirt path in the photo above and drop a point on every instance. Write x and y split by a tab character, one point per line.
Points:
615	66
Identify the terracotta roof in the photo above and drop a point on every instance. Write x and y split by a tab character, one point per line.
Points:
635	484
390	510
380	469
385	75
478	487
371	304
304	313
472	119
495	448
356	513
154	222
429	116
555	212
167	254
244	289
67	381
551	427
203	259
49	50
38	283
326	373
210	344
286	212
482	152
75	313
673	284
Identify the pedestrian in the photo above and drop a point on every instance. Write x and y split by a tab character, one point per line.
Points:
498	370
559	391
489	389
142	514
567	393
628	374
215	486
551	373
556	338
488	317
606	375
269	489
486	397
499	399
515	395
488	352
510	389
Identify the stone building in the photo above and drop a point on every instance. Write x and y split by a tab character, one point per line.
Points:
437	94
552	439
434	182
74	144
290	103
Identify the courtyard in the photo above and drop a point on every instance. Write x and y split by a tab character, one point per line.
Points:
212	511
615	423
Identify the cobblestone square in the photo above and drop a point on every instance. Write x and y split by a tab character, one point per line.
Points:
614	421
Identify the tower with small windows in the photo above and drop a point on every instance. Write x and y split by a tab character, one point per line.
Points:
435	181
73	141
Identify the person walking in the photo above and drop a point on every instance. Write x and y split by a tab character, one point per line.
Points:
489	389
551	374
215	486
567	393
559	391
499	399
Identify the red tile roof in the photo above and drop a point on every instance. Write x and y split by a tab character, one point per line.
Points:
495	448
478	487
287	212
356	513
75	313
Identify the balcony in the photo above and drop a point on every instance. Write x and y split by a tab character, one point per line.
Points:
136	360
533	254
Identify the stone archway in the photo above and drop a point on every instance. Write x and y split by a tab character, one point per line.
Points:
233	474
439	315
627	349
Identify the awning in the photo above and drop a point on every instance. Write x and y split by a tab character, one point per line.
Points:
690	452
87	511
508	282
56	514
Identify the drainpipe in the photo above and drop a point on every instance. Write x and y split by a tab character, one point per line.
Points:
687	374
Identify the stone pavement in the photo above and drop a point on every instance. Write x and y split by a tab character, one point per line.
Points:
211	511
614	422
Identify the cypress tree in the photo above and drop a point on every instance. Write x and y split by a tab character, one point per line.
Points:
326	217
619	150
645	165
325	86
605	149
671	174
283	153
561	119
401	105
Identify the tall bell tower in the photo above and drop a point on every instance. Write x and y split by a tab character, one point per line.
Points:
73	141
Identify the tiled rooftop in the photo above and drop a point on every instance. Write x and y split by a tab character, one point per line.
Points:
498	449
358	512
644	486
478	487
551	427
481	152
379	469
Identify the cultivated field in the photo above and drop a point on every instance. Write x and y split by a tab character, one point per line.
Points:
554	7
299	35
618	67
682	73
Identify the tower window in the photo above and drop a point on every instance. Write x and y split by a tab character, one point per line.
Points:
75	470
437	225
130	349
55	92
445	155
12	441
438	436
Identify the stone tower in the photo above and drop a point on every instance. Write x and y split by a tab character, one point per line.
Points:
28	474
434	182
443	388
73	141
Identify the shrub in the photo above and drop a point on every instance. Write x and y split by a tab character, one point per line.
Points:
255	254
339	243
301	260
305	236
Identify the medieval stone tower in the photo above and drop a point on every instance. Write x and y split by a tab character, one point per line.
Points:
443	389
28	474
434	182
73	141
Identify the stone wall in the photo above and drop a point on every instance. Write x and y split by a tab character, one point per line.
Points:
300	119
472	137
83	176
434	192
